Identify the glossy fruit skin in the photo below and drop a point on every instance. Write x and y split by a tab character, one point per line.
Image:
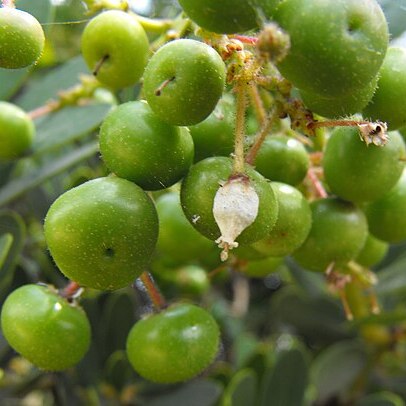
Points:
200	186
178	242
119	36
337	47
223	17
373	252
44	328
282	159
137	145
174	345
388	103
360	173
102	233
214	136
22	38
292	226
17	131
340	106
228	16
262	267
386	216
186	281
338	233
194	74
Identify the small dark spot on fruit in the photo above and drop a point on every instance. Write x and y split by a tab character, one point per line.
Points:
109	252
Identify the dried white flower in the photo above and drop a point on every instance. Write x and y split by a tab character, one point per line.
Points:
374	133
235	208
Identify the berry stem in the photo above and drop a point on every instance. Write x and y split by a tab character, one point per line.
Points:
241	292
346	306
259	139
9	3
44	110
258	104
99	65
152	25
319	188
153	291
241	90
246	39
70	290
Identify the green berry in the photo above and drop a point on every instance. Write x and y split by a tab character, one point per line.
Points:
45	328
102	233
137	145
22	39
174	345
183	81
359	172
17	131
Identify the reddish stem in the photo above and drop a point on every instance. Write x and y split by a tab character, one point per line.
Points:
70	290
246	40
153	292
43	110
316	183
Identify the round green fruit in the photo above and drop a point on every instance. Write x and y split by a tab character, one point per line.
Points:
337	235
359	172
102	234
137	145
200	186
22	38
340	106
228	16
183	81
262	267
373	252
174	345
292	226
187	280
178	242
17	131
386	216
223	17
337	47
388	103
45	328
282	159
214	136
115	48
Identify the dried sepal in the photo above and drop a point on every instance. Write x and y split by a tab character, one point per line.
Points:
235	208
374	133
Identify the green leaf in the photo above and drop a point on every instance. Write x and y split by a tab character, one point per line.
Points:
242	390
286	382
19	186
117	320
46	87
118	371
244	347
68	125
320	319
41	10
392	279
381	399
6	240
395	13
12	232
336	368
11	80
196	393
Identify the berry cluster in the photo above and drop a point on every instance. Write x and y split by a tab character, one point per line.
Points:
271	133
